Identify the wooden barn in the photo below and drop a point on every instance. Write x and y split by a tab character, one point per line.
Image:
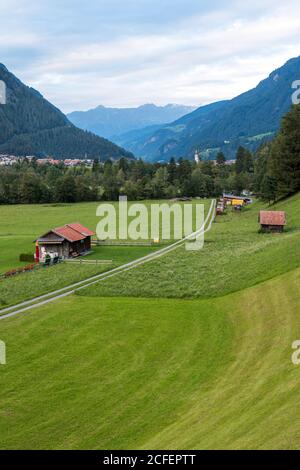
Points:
272	221
69	241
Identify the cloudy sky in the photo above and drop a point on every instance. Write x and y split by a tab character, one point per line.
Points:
129	52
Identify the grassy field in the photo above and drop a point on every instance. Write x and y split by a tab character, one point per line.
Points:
235	256
20	225
155	373
31	284
108	370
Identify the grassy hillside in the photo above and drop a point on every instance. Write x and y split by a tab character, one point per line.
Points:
137	373
235	256
94	372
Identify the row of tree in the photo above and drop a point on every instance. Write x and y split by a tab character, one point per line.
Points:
273	172
28	182
277	163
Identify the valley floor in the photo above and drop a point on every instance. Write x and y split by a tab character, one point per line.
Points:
109	370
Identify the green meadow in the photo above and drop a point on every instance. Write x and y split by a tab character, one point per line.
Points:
190	351
111	373
235	256
20	225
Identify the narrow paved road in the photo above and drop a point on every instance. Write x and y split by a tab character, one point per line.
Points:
71	289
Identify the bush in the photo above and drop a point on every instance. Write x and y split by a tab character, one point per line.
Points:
28	257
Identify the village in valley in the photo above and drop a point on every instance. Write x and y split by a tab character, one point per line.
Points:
9	160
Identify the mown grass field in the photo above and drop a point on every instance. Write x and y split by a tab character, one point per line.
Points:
111	373
47	279
109	370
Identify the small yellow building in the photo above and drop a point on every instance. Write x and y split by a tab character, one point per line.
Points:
237	202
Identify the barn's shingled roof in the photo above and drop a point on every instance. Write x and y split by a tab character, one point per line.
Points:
81	229
69	233
272	218
73	232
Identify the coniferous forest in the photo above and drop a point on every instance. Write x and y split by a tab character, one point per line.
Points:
272	173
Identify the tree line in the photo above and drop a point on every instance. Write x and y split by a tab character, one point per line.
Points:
28	182
278	162
273	172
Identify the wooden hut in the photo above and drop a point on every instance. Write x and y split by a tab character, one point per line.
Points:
272	221
68	241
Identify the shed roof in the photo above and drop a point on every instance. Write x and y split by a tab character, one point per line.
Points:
72	232
81	229
272	218
232	196
69	233
50	237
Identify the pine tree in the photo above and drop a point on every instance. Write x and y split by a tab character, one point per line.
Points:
239	164
221	158
244	161
284	163
96	165
172	170
269	189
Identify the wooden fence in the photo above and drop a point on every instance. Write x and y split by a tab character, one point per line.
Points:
88	261
119	243
23	269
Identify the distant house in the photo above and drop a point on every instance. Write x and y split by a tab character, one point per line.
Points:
229	198
220	207
272	221
68	241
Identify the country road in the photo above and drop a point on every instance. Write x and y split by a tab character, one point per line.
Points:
71	289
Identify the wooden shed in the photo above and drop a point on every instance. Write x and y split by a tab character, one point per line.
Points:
68	241
272	221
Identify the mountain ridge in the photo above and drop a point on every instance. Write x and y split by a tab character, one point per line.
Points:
31	125
110	122
248	119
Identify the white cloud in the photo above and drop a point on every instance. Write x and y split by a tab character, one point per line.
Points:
195	58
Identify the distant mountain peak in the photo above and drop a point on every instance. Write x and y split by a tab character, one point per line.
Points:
111	122
248	119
